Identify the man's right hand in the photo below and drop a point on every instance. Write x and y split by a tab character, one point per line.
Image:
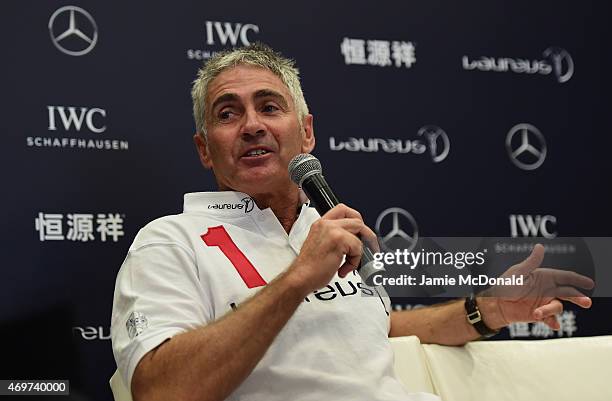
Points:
338	233
167	372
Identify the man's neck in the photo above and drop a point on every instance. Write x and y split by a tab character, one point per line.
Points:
286	206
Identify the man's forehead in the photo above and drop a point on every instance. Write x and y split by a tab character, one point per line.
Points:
245	80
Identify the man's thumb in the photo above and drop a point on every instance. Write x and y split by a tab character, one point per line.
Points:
533	261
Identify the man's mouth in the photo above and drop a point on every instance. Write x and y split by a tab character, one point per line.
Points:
256	152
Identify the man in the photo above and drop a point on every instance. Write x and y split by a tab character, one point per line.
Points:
241	300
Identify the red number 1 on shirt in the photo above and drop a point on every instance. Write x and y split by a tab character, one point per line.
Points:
217	236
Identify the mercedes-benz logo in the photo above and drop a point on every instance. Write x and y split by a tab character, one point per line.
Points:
526	156
389	229
73	30
562	63
432	133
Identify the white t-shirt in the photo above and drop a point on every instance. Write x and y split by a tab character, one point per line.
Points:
185	271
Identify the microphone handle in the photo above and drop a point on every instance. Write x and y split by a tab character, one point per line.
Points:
323	198
319	193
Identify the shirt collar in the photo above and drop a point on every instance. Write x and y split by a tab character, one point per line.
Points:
238	205
226	203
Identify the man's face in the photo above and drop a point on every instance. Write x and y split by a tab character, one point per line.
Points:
253	131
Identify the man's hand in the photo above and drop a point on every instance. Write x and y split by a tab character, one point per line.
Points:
336	235
539	299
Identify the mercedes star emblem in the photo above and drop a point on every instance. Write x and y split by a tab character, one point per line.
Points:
73	30
390	230
526	156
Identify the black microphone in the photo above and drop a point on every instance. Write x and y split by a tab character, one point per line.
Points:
305	170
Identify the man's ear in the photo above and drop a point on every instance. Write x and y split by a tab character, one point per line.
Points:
308	138
202	149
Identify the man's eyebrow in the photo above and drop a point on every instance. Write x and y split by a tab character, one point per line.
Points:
262	93
226	97
273	94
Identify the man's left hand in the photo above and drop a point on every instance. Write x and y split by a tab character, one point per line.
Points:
539	298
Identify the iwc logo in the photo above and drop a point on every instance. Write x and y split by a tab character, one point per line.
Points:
73	30
221	35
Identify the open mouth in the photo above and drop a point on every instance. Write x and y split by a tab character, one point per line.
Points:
256	152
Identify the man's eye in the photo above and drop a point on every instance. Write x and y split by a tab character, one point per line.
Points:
269	108
225	115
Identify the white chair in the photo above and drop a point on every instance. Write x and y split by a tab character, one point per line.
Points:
409	360
411	364
567	369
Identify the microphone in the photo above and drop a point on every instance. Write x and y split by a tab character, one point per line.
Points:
306	171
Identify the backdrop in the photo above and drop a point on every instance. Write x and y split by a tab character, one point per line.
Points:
487	118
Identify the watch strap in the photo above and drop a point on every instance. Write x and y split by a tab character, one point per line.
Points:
474	317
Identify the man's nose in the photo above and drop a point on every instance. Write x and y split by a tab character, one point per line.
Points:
253	125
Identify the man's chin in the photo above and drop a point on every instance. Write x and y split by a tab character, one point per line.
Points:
264	181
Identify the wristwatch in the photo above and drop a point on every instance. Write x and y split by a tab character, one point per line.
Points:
475	318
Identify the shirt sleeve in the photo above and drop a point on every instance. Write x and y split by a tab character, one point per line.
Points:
157	295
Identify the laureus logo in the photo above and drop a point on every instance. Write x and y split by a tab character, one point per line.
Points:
562	63
555	61
432	140
248	203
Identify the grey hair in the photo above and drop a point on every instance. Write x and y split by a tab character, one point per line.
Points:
256	54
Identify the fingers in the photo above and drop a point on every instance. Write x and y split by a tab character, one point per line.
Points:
352	249
354	226
370	239
552	322
564	277
350	220
582	301
342	212
566	282
552	308
562	292
533	261
345	269
329	244
548	313
364	232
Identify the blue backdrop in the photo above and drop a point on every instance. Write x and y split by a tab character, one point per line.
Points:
487	118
